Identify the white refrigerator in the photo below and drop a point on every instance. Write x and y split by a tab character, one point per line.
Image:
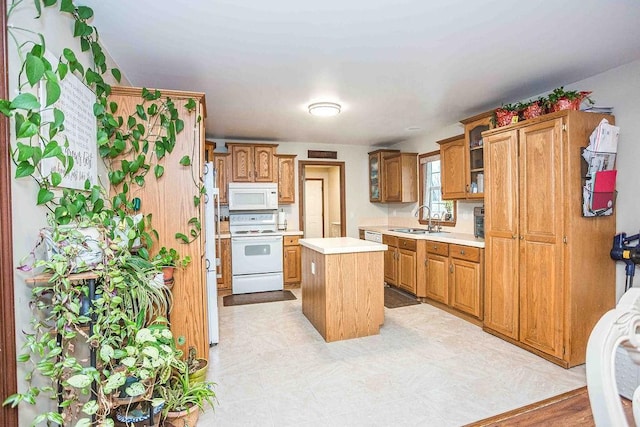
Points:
211	225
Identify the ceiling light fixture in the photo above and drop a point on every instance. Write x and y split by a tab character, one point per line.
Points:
324	109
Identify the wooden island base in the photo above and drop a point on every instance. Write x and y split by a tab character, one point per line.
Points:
343	293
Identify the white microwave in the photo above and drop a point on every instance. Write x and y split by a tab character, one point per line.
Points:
252	196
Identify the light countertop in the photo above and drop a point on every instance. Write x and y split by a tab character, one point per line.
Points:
341	245
456	238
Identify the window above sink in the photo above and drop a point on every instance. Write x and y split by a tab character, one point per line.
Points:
443	212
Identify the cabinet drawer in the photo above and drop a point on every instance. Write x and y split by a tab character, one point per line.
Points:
467	253
438	248
408	244
290	240
389	240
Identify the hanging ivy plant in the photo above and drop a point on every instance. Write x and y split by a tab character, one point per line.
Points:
132	146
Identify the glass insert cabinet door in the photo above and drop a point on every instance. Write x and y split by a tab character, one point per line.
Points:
374	177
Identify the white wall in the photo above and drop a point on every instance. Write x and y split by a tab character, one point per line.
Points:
620	88
27	218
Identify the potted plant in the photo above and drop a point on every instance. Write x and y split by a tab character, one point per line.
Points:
506	114
197	366
560	99
184	399
533	108
168	259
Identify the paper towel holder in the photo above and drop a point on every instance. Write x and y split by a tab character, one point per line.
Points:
282	220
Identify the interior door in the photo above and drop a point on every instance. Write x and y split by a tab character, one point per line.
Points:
313	208
541	248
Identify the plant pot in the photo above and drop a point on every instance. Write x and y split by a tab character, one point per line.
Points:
199	374
532	111
505	117
167	274
139	414
187	418
569	104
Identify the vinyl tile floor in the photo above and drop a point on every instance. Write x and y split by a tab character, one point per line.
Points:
426	368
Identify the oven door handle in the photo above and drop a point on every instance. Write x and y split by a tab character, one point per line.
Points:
258	239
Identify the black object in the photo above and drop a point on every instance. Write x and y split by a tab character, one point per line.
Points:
623	250
478	222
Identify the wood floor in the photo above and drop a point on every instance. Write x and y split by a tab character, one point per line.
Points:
568	409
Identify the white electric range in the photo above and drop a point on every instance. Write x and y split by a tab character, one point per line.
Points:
256	252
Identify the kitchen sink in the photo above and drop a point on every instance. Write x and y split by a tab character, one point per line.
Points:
416	231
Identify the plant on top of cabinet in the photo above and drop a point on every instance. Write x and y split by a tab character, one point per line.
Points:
560	99
506	114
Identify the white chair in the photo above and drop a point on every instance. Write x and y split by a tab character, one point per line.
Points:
620	326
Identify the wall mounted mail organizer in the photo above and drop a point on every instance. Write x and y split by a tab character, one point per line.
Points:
599	172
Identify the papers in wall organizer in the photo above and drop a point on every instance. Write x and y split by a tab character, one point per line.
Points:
604	138
604	188
599	191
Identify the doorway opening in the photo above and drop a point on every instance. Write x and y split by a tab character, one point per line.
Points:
322	201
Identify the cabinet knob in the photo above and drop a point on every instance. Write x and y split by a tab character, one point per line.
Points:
515	236
435	246
462	252
521	237
450	268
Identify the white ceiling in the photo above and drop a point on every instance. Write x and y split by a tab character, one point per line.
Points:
392	64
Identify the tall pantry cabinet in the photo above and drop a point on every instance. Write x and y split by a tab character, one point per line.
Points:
548	277
170	202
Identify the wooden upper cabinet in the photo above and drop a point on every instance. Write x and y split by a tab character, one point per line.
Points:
474	145
252	162
376	174
400	178
221	163
286	178
263	163
453	166
462	160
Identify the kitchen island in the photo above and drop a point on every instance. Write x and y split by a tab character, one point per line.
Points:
343	286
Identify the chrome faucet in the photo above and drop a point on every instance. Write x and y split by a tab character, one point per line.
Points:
416	214
438	226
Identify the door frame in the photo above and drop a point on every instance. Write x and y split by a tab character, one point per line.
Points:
322	190
301	168
8	368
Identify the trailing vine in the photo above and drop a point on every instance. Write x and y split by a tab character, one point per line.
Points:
131	147
129	296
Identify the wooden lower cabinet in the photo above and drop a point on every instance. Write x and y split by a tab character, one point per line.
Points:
454	277
224	269
437	272
466	271
390	259
292	268
407	263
